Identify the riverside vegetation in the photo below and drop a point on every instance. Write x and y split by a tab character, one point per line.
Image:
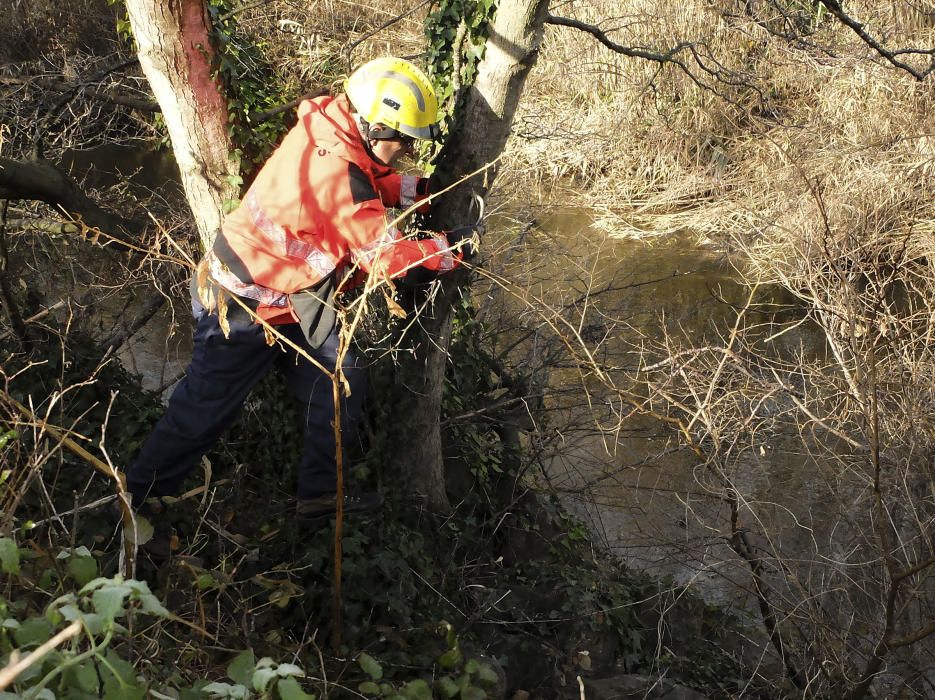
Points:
794	136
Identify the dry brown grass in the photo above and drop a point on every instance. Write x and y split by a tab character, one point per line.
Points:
655	152
308	41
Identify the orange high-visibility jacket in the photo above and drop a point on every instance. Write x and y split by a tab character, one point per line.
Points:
316	206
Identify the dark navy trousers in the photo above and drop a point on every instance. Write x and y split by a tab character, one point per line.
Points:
216	384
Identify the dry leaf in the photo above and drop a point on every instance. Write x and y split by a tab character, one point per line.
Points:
205	286
394	308
222	314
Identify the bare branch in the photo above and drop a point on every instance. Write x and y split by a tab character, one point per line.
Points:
41	180
834	7
266	114
633	52
112	96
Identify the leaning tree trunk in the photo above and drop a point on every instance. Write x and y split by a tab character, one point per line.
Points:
478	137
176	53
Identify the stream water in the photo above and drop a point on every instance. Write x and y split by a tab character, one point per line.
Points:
649	500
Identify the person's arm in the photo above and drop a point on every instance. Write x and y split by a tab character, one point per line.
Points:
377	246
404	190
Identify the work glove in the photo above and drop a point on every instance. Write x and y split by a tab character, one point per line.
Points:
464	238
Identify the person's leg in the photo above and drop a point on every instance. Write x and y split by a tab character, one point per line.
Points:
313	389
204	404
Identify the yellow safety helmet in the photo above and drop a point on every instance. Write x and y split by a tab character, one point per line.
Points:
394	92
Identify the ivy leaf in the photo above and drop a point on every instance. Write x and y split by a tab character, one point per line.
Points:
119	678
226	690
370	666
369	688
35	630
82	566
446	687
289	689
9	556
241	668
140	535
262	678
472	692
283	670
416	690
486	674
108	601
85	677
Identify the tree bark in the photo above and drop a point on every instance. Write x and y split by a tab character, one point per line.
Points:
176	54
478	138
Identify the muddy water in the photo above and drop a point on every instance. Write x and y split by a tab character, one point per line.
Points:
652	502
160	351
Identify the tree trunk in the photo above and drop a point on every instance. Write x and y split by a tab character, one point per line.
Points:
478	138
176	54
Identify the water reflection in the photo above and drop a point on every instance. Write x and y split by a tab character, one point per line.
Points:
633	303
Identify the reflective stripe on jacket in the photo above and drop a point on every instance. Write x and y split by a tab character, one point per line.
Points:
317	205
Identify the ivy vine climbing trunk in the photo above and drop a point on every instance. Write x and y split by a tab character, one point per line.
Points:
478	136
176	53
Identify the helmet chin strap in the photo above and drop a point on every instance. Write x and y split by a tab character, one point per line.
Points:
364	129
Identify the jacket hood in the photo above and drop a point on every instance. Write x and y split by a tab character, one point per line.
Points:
337	130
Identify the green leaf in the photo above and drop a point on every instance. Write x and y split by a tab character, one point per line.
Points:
35	630
82	567
226	690
119	678
487	674
451	658
261	679
143	532
370	666
446	687
369	688
416	690
206	581
283	670
241	668
44	694
289	689
9	556
84	675
472	692
92	621
6	437
108	601
150	604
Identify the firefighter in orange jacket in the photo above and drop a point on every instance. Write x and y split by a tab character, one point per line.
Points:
314	215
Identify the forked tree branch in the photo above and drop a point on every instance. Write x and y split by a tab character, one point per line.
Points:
835	8
707	64
601	36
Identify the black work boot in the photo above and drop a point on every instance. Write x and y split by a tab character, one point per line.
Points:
324	507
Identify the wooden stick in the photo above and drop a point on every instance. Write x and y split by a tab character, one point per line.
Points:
11	671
